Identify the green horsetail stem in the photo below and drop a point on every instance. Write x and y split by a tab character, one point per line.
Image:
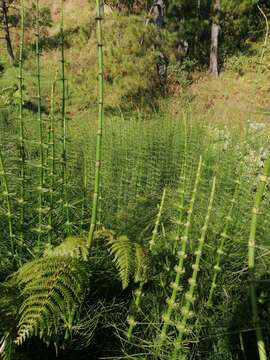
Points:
100	123
6	195
99	218
137	301
41	144
21	199
189	296
224	236
152	242
182	190
64	125
179	269
251	257
84	188
51	163
138	292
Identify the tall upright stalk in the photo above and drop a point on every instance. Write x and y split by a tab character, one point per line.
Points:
189	296
152	242
21	199
183	179
224	236
6	195
64	125
251	258
99	216
139	291
51	164
179	269
84	189
100	123
41	144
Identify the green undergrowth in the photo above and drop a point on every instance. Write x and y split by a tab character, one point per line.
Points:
180	220
142	157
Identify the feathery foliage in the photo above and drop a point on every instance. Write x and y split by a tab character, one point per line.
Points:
52	289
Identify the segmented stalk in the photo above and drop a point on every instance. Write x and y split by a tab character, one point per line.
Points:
6	195
99	220
189	296
137	301
251	258
100	123
182	190
84	185
224	236
21	199
64	126
51	164
41	144
138	292
179	269
155	231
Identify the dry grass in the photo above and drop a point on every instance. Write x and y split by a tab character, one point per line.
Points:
230	99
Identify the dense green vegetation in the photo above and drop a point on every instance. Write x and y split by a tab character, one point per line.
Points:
134	231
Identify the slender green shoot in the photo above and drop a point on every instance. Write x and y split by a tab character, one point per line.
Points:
179	269
137	301
152	242
64	180
224	236
40	121
6	195
252	255
183	179
99	217
51	164
84	188
138	292
21	199
189	296
99	11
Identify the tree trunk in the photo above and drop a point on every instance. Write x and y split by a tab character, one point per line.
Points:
214	39
4	10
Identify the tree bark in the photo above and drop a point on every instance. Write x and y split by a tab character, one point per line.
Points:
4	10
214	39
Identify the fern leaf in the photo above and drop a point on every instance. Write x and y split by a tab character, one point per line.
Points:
6	347
123	251
142	263
52	288
73	246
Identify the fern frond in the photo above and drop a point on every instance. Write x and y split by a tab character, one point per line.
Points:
52	289
131	259
123	251
73	246
6	347
142	263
